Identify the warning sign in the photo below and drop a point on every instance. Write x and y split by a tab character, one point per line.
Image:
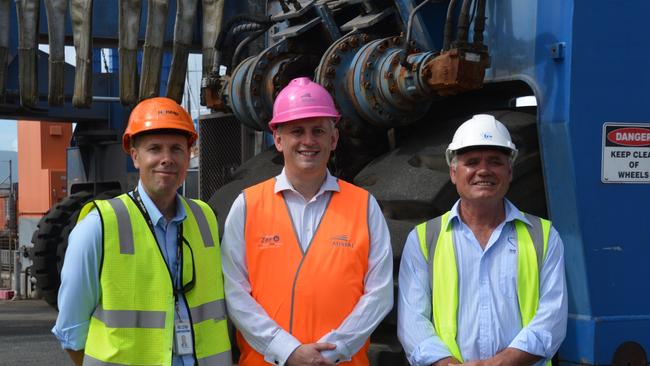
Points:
626	153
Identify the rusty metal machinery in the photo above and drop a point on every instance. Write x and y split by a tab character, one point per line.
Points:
360	51
379	79
301	35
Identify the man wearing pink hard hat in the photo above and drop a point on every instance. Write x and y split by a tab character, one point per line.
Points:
307	257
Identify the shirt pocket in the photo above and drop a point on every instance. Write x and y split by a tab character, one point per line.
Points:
508	270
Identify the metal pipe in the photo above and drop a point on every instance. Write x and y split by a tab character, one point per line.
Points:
106	99
243	44
17	270
479	25
233	28
129	19
81	14
153	48
5	8
27	15
409	28
212	18
55	11
185	15
449	25
463	22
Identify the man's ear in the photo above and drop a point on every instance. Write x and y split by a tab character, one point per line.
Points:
335	137
134	157
277	140
452	174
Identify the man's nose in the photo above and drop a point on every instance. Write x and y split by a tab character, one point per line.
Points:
483	167
166	157
308	138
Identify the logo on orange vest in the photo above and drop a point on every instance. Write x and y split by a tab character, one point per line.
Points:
270	241
341	240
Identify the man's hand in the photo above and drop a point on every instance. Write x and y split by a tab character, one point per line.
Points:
446	361
507	357
76	356
469	363
309	355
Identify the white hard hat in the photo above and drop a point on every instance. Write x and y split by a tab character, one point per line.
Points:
481	130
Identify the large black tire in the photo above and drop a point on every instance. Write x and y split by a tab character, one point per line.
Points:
51	241
257	169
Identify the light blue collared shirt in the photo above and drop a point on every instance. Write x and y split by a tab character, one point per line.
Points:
257	327
488	315
80	291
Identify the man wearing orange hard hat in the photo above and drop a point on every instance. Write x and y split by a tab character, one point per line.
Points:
307	257
142	282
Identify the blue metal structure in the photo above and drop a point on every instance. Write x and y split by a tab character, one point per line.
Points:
580	59
584	61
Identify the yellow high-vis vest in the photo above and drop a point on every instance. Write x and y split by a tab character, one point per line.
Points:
436	237
133	323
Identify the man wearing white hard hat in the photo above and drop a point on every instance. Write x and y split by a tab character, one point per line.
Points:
307	256
484	283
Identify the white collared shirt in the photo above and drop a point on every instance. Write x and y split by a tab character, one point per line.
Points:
488	310
262	332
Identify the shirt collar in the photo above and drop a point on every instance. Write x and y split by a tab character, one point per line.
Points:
154	212
512	213
282	183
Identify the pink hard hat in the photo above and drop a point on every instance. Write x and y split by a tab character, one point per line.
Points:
302	98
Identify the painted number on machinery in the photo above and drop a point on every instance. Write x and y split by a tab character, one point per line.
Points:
626	153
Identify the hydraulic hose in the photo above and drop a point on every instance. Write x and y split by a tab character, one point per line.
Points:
244	43
27	11
234	27
463	22
449	26
81	14
226	37
129	19
409	28
479	26
55	11
185	15
153	48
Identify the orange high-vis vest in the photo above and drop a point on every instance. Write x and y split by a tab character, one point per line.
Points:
307	294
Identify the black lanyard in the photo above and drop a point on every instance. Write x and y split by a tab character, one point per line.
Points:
179	243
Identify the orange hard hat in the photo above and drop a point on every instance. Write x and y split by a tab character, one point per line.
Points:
158	114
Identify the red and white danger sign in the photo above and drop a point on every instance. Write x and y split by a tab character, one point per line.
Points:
626	153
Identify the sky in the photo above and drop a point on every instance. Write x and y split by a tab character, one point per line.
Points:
8	139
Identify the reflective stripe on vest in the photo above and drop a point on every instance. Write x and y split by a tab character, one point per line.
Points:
133	323
289	283
436	237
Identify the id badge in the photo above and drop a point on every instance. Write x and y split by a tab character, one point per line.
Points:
182	337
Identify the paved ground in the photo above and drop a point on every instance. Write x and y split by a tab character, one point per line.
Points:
25	337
